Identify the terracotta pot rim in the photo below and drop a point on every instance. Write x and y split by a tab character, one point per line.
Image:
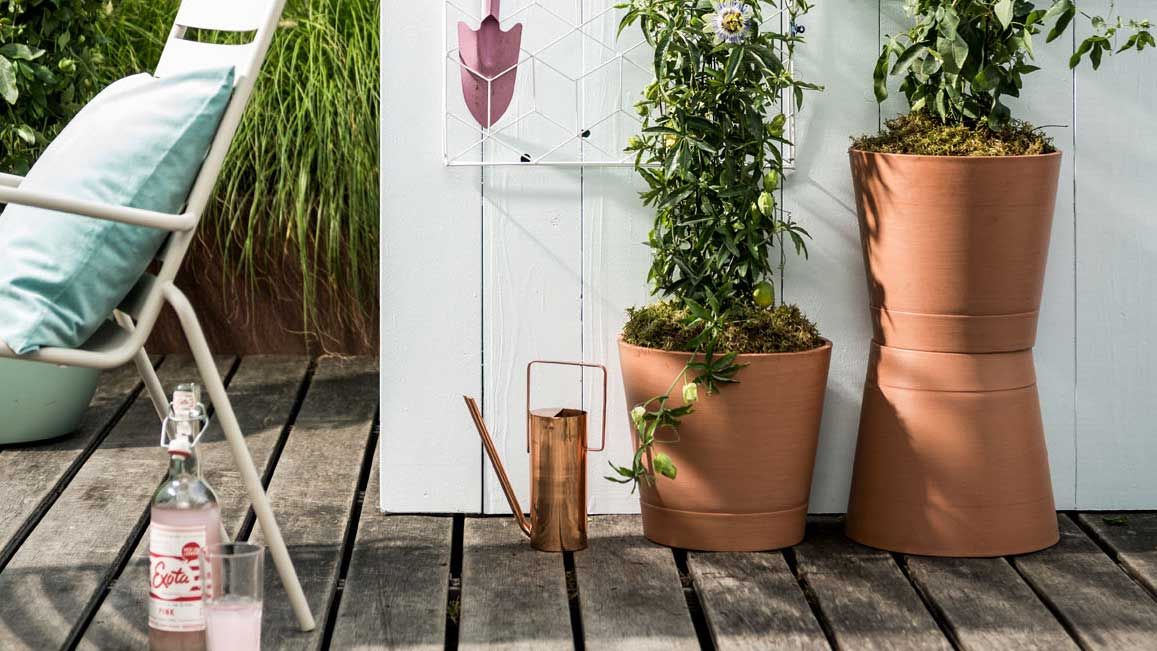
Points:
826	346
930	157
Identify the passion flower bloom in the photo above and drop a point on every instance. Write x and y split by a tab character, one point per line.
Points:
731	21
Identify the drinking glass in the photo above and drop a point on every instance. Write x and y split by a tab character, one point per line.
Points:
232	585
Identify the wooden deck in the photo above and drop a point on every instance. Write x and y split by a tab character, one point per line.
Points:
74	525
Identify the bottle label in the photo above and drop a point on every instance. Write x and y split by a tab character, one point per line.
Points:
175	578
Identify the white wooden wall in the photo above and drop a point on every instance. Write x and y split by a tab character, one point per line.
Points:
485	270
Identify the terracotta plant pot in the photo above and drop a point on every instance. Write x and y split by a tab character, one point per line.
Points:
951	459
744	457
955	247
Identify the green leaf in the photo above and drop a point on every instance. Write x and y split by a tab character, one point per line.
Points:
8	89
663	465
905	60
1003	10
20	52
733	63
26	134
880	76
1063	20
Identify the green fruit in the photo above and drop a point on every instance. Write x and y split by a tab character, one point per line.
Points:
764	294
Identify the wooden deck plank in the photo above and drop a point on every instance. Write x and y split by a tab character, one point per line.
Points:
629	590
1101	605
987	606
64	562
1132	537
263	392
313	491
752	602
396	588
513	597
863	595
31	474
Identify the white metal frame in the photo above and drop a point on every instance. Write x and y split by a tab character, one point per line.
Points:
467	156
123	339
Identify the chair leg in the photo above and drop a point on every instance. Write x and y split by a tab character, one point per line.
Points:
224	413
148	374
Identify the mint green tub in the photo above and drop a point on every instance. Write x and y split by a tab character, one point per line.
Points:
42	401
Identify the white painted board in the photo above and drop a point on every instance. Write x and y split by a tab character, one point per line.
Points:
484	271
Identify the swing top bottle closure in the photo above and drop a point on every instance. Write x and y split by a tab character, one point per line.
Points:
185	518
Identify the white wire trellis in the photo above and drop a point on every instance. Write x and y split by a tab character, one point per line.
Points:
576	86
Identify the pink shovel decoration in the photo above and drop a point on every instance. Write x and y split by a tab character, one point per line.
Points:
489	57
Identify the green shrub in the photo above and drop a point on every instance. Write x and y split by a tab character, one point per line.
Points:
960	58
301	180
711	154
50	60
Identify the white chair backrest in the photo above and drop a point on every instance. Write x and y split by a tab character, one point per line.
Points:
259	16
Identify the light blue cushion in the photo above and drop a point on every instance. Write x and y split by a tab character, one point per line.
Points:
139	143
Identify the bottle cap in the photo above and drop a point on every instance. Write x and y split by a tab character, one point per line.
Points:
180	446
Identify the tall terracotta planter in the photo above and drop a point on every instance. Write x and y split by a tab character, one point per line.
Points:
951	458
745	456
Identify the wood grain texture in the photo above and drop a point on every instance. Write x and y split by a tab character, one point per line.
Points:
395	591
987	606
313	490
1132	538
752	602
513	597
629	590
263	392
1116	145
1100	604
31	473
863	595
63	564
430	251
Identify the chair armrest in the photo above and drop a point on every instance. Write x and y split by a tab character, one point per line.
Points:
10	180
135	216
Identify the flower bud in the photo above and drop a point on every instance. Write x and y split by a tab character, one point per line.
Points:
771	180
637	415
766	203
690	392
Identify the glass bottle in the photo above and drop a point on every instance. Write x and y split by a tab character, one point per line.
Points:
185	518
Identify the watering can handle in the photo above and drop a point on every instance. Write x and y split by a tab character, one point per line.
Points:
602	368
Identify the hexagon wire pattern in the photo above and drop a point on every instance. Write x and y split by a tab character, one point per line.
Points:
569	109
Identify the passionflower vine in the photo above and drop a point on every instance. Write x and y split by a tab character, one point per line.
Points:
731	21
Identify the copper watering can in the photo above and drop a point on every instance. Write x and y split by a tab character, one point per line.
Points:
556	439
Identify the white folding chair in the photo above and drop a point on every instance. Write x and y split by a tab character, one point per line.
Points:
123	338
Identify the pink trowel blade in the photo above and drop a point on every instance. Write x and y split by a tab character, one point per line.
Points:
489	66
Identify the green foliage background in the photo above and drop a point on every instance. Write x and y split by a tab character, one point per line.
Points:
50	59
301	180
959	58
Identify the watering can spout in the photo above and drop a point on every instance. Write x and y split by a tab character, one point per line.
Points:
496	461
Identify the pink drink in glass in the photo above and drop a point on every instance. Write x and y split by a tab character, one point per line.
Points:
233	624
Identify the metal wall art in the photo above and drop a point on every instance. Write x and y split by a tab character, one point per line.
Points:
549	82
